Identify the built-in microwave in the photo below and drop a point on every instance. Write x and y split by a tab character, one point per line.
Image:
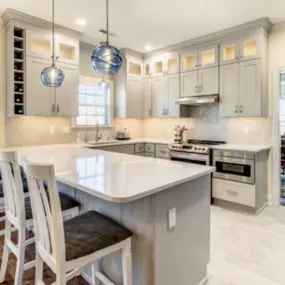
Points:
235	166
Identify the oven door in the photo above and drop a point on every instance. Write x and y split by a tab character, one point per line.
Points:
202	159
235	169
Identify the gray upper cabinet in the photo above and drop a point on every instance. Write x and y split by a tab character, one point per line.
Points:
66	99
165	94
189	60
40	99
229	52
129	88
250	96
229	90
208	79
241	89
166	64
189	83
208	56
147	98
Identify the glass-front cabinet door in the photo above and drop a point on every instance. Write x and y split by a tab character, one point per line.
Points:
188	60
208	56
229	52
158	66
134	66
67	49
171	62
148	68
250	47
39	43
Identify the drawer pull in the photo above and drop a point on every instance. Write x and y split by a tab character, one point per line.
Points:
163	151
232	192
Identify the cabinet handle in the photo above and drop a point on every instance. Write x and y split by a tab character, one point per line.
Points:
236	110
232	192
163	151
166	111
163	112
196	88
241	108
57	108
200	88
237	57
149	112
53	108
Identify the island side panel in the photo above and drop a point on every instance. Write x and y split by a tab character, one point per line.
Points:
182	253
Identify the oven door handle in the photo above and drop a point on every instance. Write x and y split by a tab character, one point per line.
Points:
189	156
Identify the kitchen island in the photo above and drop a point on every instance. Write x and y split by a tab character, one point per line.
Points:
168	247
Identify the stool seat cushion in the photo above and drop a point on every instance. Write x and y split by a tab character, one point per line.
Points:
25	186
90	232
66	203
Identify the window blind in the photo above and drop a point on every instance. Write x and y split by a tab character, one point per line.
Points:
94	106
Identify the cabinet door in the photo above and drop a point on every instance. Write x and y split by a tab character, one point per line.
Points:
67	49
250	88
172	88
188	83
188	60
39	43
208	57
250	47
229	86
147	108
148	68
171	63
158	66
134	97
159	97
67	95
229	52
208	81
134	66
39	100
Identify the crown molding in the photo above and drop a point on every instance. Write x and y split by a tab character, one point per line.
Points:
235	31
13	15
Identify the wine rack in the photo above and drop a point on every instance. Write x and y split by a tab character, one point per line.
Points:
18	40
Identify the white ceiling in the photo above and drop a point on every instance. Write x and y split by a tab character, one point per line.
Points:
157	23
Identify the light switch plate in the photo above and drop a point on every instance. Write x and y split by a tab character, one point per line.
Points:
171	218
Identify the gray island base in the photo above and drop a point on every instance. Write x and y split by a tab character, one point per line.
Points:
161	256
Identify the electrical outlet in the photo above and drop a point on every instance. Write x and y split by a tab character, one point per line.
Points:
66	130
171	218
51	130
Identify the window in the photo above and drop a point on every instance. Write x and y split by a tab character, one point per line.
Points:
94	103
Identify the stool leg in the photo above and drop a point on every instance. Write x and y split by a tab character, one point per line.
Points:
39	269
21	256
127	264
94	268
6	251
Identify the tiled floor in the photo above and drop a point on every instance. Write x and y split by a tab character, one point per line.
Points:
247	250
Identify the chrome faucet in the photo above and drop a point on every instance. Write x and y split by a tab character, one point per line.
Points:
98	136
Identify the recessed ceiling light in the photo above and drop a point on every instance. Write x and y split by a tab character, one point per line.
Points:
81	22
148	48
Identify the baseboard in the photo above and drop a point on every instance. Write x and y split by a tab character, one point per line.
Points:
261	209
88	279
204	281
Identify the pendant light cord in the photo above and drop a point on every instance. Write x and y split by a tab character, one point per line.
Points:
107	22
53	43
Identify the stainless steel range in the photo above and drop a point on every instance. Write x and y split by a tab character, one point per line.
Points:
193	151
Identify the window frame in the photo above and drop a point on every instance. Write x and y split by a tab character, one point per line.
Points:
94	81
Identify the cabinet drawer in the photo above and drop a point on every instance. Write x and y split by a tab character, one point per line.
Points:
139	147
162	151
235	192
127	149
149	147
149	154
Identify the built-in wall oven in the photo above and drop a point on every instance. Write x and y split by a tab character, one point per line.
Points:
235	166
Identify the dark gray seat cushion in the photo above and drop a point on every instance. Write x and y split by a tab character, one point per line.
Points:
25	186
66	203
90	232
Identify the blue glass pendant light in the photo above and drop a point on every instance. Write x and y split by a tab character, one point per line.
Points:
106	59
52	76
103	84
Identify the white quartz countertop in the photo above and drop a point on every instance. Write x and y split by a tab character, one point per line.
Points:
243	147
112	176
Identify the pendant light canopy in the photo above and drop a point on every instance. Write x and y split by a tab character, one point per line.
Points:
52	76
106	59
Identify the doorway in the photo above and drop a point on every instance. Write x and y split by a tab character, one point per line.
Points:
282	136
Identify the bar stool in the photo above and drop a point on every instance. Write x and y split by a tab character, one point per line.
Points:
68	247
18	214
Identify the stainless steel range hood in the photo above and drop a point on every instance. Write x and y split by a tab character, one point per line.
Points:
198	100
